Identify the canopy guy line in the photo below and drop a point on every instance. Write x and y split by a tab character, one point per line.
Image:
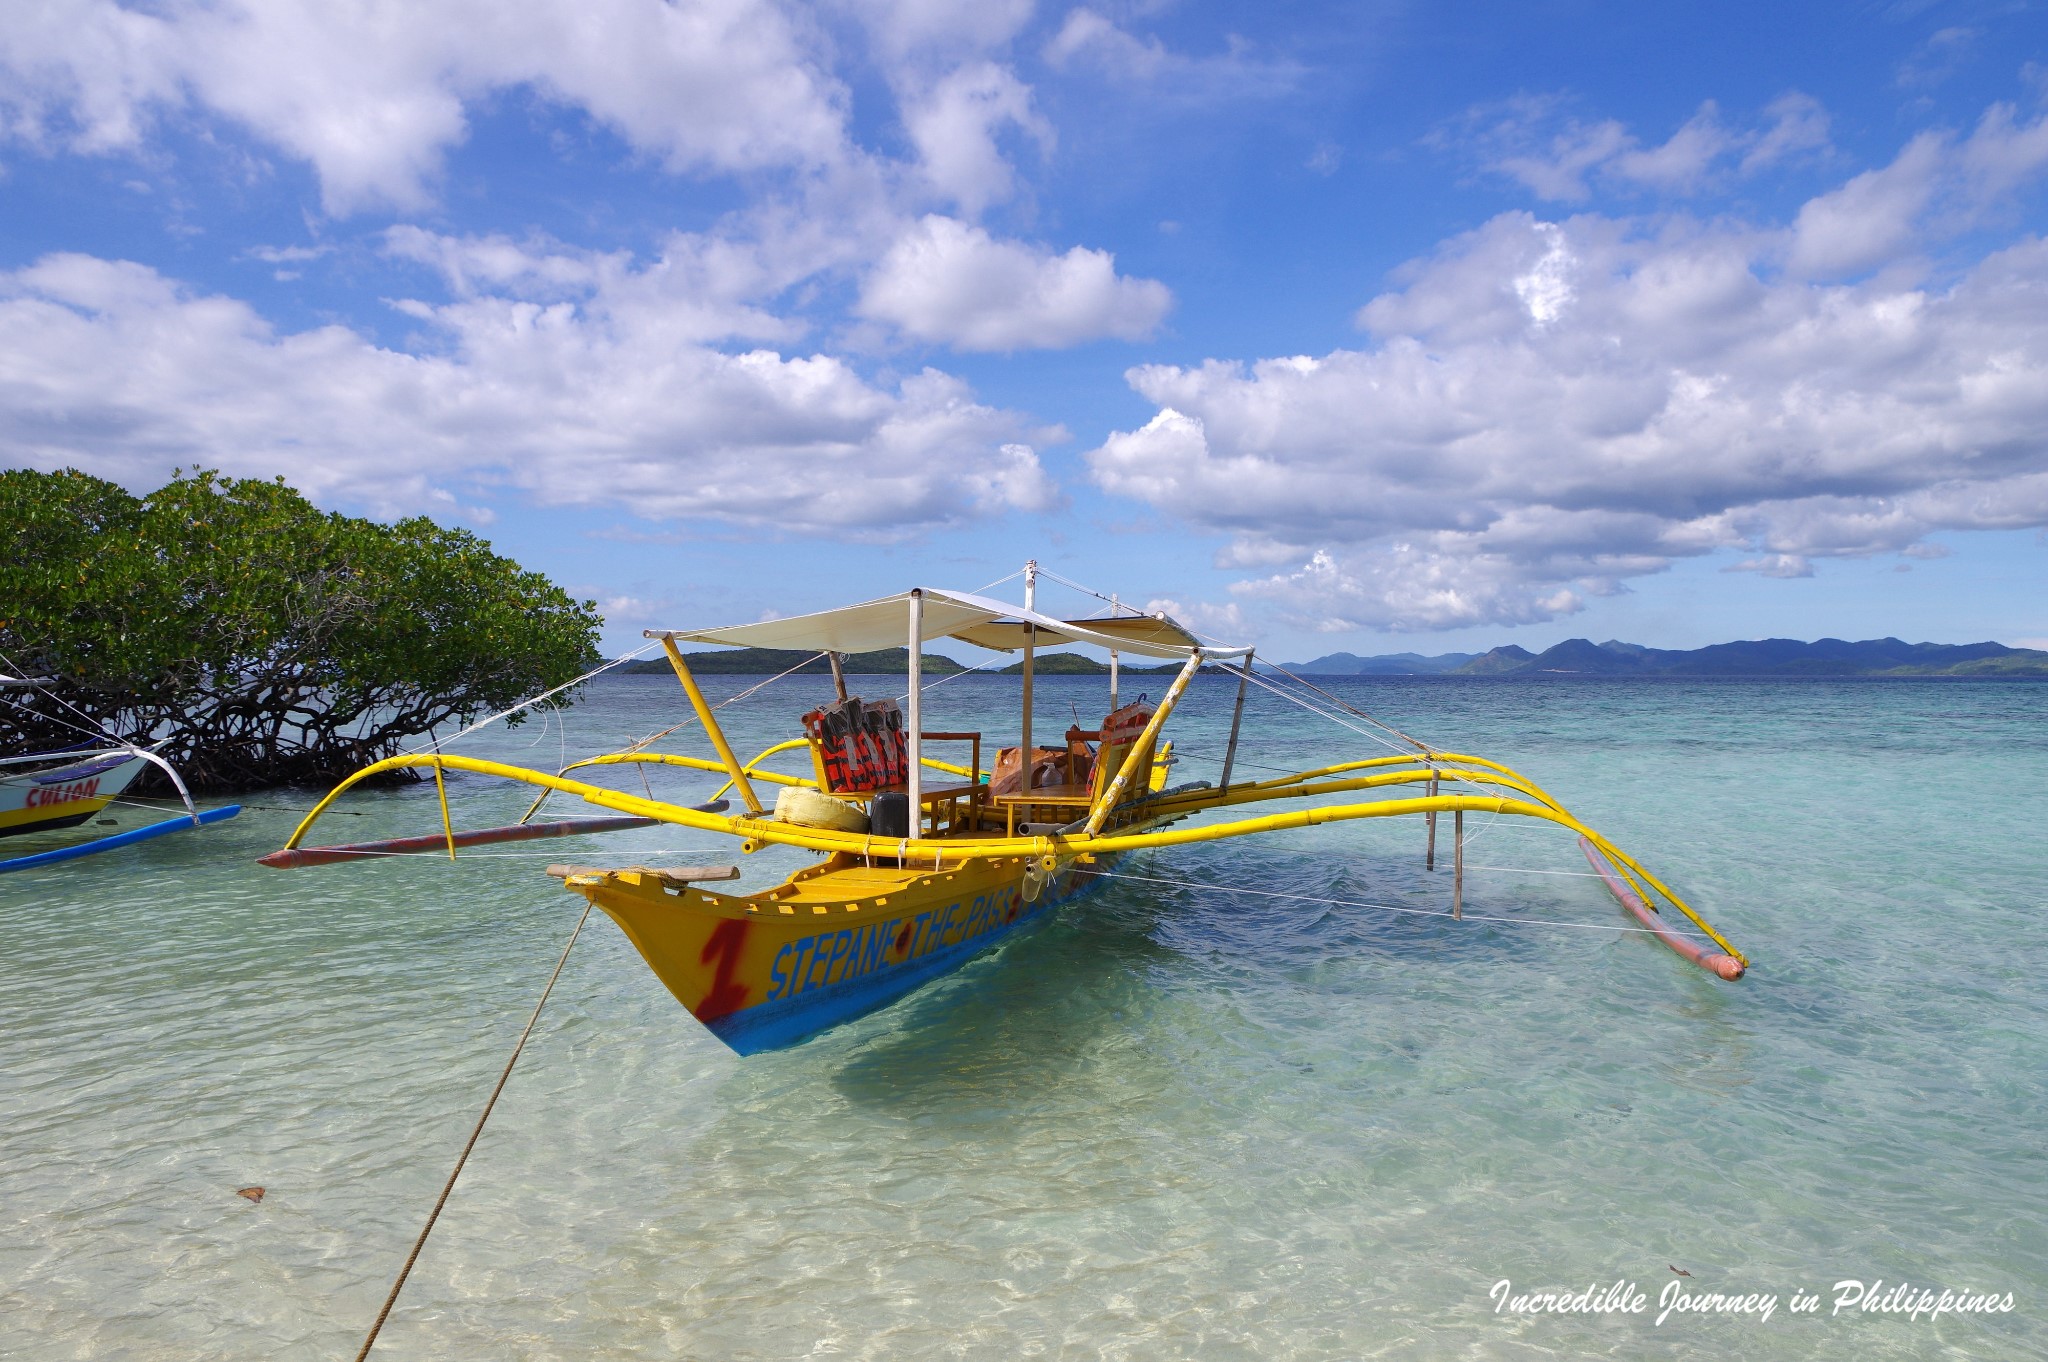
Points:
928	687
1416	743
436	743
1424	752
37	684
763	685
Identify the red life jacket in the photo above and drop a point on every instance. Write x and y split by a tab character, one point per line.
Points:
887	724
826	730
869	773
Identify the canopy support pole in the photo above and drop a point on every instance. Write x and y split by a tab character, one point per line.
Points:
838	676
1236	722
1030	646
710	722
1113	793
915	779
1112	662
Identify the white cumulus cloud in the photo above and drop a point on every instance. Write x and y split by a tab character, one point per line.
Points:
1548	409
948	281
955	127
587	400
373	93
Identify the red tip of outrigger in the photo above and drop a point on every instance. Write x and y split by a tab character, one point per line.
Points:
1725	966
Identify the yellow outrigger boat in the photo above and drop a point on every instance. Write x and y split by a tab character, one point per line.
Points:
926	863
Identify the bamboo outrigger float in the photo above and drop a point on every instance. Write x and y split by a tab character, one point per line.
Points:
925	863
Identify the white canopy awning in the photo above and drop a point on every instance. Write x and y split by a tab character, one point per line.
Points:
978	620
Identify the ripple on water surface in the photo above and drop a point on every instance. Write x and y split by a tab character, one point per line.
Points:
1181	1121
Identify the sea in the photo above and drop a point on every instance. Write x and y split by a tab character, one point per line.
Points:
1259	1099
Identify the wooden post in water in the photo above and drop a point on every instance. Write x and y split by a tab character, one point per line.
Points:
1458	861
838	676
1429	859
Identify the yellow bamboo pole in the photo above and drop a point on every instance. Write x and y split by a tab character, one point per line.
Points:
710	722
1061	847
1143	746
447	823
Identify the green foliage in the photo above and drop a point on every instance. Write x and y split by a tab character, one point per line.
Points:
269	640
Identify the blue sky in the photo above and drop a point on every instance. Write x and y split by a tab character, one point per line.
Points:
1363	327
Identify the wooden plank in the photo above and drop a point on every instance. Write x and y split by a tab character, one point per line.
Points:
1050	794
672	875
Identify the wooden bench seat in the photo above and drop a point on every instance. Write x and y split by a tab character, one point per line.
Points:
1044	796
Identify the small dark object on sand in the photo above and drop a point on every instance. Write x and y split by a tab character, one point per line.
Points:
1679	1270
253	1193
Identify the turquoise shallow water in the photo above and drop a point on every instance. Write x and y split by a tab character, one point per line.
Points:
1177	1122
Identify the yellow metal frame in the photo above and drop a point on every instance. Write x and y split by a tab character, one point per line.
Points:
1062	848
1055	849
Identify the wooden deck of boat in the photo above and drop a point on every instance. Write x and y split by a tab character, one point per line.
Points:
850	881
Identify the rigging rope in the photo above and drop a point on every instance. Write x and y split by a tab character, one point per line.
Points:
1338	700
33	683
1425	754
435	744
734	699
931	686
990	586
427	1229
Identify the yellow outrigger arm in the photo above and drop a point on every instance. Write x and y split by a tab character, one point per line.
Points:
881	912
1054	849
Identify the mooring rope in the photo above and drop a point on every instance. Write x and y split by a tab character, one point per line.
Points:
435	1214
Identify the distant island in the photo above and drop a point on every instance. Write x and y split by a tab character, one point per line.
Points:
1573	657
1760	657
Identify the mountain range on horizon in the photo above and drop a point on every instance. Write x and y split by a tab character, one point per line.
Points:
1755	657
1573	657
